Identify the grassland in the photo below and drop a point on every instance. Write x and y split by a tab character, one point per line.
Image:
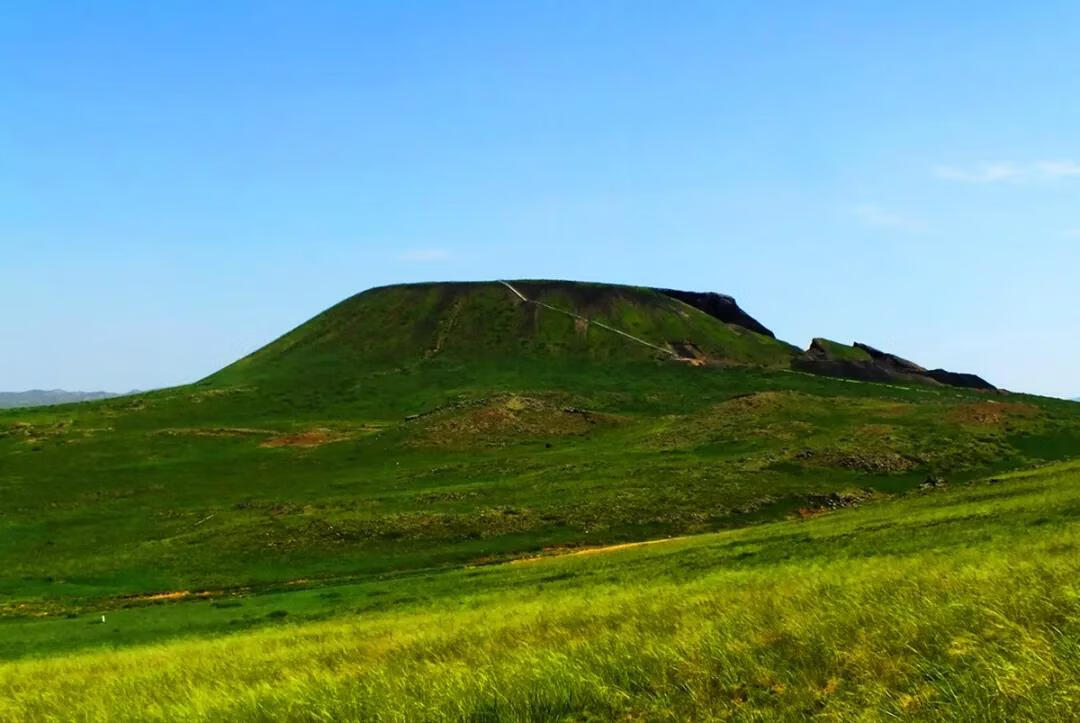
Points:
955	603
212	487
333	527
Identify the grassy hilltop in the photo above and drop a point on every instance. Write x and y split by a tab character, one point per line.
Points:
365	473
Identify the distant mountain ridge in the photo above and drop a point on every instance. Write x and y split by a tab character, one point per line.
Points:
46	397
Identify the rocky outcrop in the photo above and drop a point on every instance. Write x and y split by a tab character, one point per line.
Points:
719	306
818	350
828	350
890	361
959	379
858	370
864	363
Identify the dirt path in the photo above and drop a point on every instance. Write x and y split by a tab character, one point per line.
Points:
579	317
177	596
594	550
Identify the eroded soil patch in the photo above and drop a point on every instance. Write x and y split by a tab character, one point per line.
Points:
308	439
502	420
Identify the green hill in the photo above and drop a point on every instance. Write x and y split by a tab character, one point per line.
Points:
401	326
440	424
412	432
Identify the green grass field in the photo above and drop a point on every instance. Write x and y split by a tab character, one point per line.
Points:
372	517
959	603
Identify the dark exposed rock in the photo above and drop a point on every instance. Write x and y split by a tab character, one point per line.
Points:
818	351
891	361
719	306
882	367
959	379
859	371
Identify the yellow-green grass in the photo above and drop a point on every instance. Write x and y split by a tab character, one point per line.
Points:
959	604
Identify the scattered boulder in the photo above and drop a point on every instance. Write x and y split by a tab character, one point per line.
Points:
933	483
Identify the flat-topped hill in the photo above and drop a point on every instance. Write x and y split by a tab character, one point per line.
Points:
512	322
392	326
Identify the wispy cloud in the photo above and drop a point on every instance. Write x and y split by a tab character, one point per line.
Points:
1058	169
876	216
996	171
425	255
980	173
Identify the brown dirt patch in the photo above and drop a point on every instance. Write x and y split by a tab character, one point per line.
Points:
822	504
312	438
170	596
214	432
992	414
502	420
551	552
754	403
874	462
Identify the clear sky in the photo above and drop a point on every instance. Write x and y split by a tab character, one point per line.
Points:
182	182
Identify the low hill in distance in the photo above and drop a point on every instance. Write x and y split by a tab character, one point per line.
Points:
43	397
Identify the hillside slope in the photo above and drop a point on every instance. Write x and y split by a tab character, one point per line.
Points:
434	425
395	326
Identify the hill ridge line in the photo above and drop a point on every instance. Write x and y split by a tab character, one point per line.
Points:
574	315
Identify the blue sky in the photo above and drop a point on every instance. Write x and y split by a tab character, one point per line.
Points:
182	182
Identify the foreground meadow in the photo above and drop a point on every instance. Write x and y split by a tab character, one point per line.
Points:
959	603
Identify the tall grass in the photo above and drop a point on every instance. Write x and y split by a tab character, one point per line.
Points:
985	627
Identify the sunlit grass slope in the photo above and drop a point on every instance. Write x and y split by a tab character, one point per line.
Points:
960	603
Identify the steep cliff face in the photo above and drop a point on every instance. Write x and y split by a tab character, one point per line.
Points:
719	306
